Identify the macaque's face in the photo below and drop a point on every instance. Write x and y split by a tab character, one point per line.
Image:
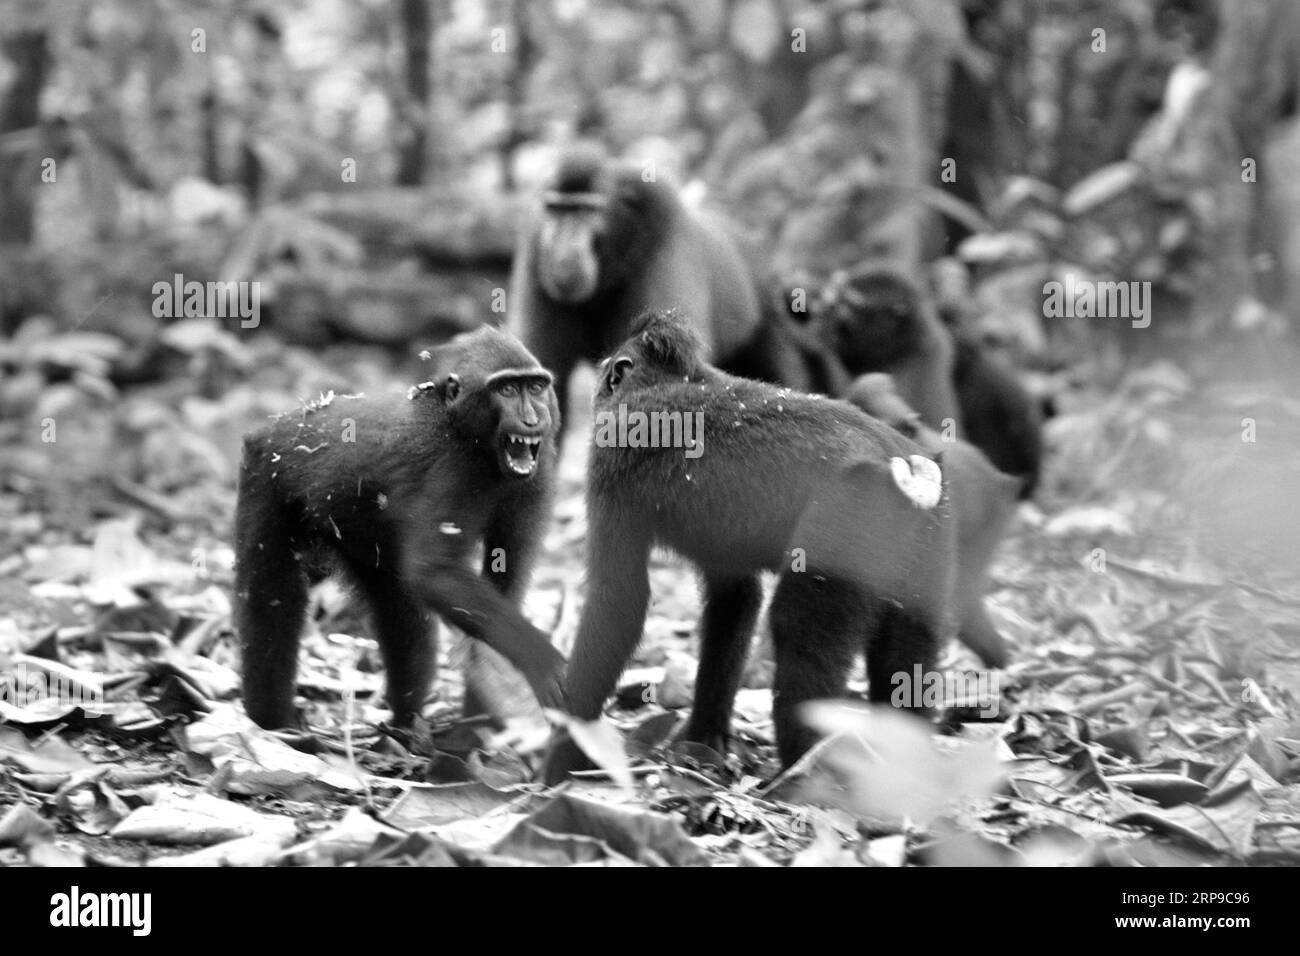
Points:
568	243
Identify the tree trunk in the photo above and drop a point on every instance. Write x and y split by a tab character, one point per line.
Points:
525	55
19	110
417	30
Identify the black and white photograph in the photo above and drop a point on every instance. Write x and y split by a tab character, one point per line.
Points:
650	433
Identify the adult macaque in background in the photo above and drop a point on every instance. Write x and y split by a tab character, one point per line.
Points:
999	416
793	301
802	485
606	245
983	499
397	492
876	319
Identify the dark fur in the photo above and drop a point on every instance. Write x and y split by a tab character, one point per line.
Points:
793	307
875	319
983	498
642	250
779	470
998	415
400	510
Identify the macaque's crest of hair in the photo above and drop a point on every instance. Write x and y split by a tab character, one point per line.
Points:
669	341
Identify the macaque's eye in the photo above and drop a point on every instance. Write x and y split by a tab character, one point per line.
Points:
536	387
508	389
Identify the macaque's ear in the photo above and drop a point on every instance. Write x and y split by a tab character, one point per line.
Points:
618	367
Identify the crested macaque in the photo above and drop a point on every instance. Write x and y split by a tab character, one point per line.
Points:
983	499
794	306
767	479
606	245
999	416
875	319
396	493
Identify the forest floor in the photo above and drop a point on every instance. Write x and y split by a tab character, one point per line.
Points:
1151	595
